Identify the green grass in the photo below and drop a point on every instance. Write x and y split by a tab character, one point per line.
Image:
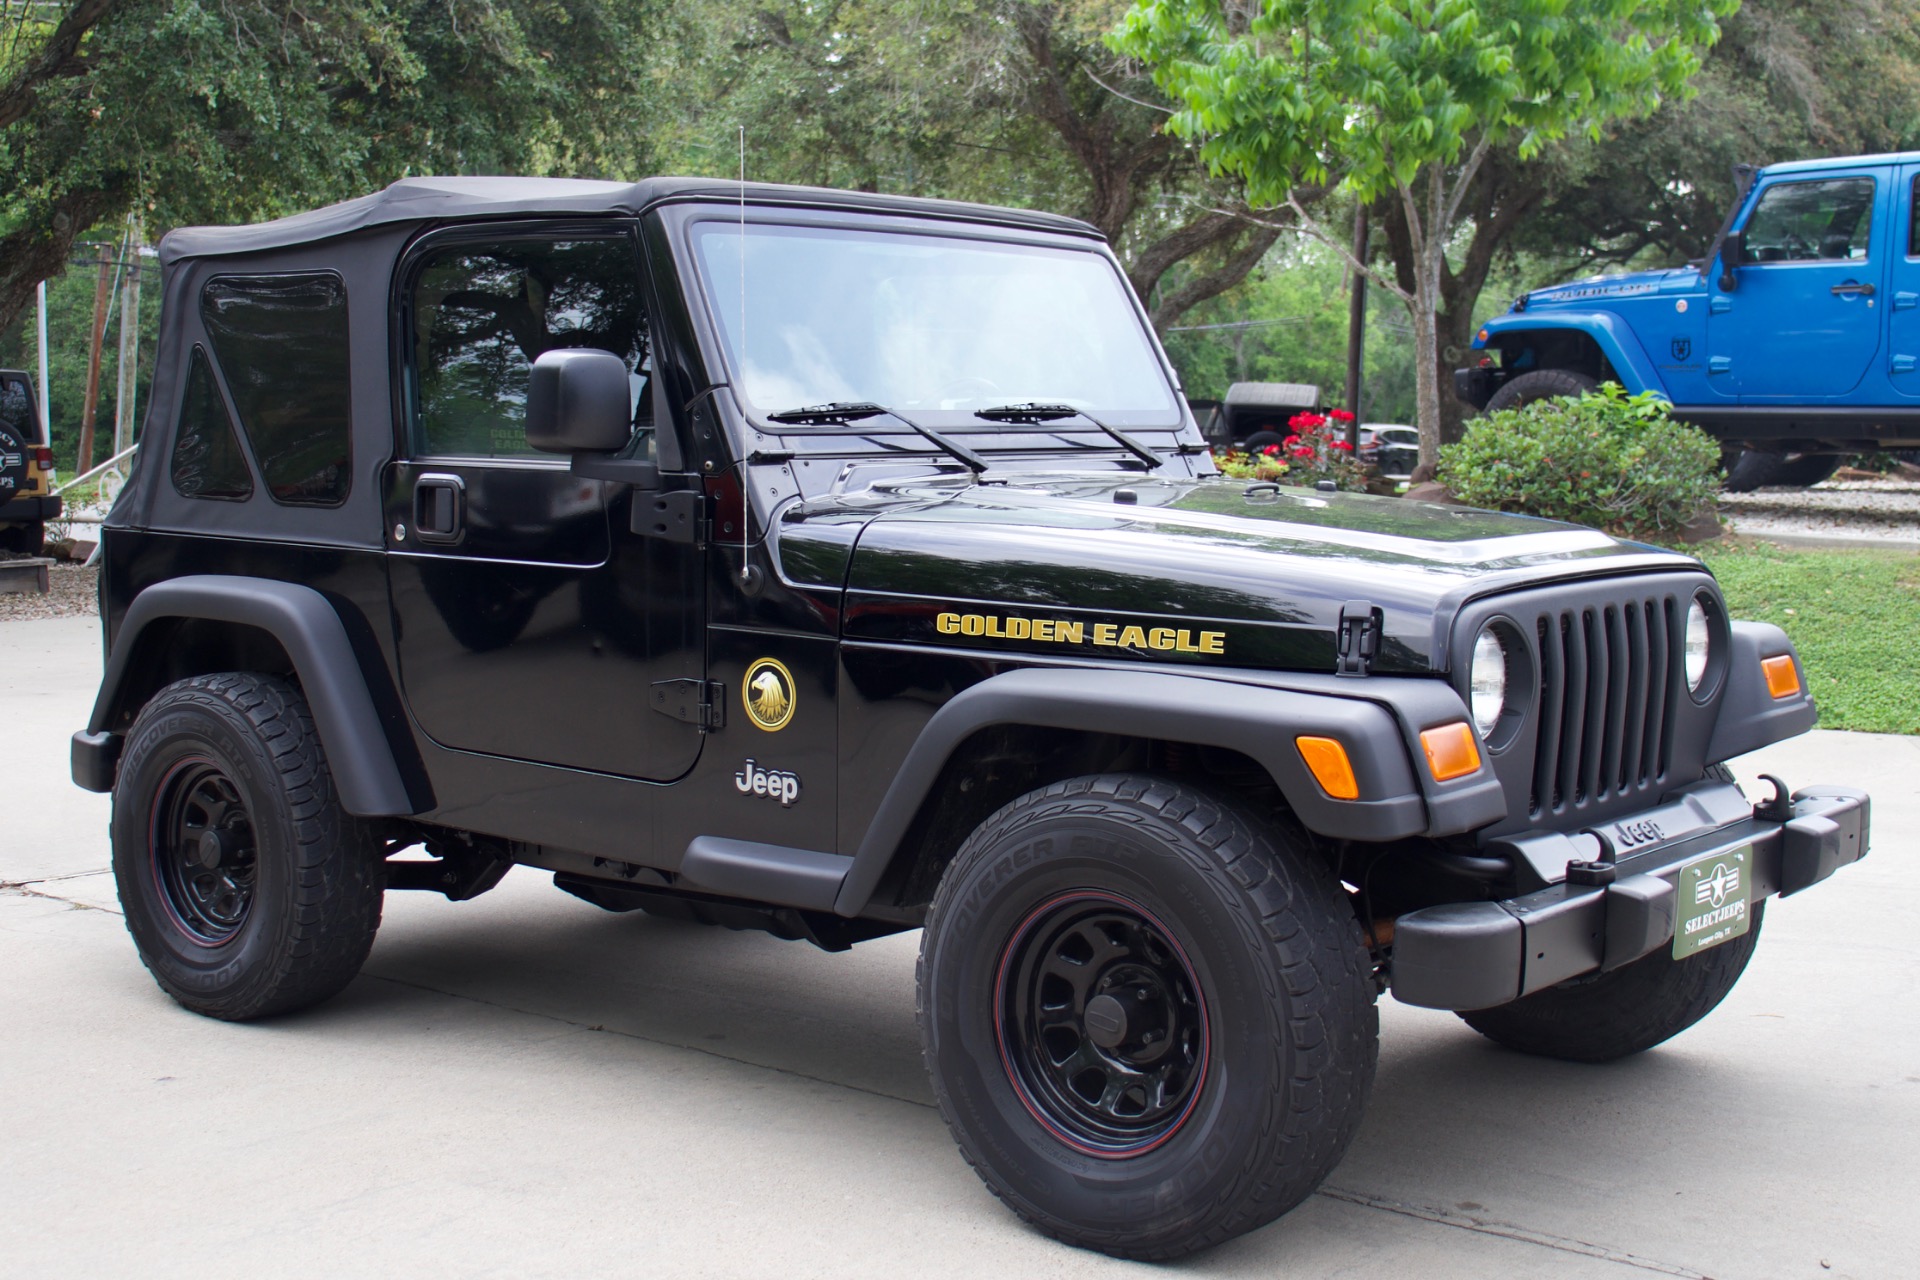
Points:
1854	616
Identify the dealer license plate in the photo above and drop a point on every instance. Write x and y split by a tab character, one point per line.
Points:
1715	895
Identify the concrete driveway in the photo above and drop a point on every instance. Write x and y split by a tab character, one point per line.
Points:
524	1085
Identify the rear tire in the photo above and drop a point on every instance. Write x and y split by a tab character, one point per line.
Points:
24	539
1615	1015
1149	1018
1263	440
1541	384
1757	469
248	890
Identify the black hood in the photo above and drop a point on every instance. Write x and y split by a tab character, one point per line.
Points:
1212	570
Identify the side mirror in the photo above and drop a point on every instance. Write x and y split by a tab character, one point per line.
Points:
1733	251
578	401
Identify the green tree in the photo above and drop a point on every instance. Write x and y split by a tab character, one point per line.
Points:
1016	102
1406	99
195	111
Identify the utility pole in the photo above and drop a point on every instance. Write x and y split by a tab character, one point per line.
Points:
46	393
1356	326
102	291
129	368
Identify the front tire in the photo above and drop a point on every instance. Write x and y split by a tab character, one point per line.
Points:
1615	1015
1540	384
248	890
1149	1018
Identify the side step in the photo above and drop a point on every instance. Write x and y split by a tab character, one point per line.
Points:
764	872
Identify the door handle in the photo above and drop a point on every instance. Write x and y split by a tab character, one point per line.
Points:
439	508
1843	290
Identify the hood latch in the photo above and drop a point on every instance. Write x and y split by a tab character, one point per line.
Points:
1359	637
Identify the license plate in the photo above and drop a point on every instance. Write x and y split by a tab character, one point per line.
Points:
1714	895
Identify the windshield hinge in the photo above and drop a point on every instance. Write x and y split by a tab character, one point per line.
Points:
679	515
701	703
1359	637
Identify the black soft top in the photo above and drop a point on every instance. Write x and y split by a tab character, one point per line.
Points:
446	199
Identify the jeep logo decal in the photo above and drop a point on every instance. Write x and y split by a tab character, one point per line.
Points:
1681	348
775	784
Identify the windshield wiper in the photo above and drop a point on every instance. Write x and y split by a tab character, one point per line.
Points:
1030	412
842	412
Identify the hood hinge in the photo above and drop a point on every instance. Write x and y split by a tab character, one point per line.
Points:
1359	637
701	703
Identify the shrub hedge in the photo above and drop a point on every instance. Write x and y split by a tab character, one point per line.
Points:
1607	459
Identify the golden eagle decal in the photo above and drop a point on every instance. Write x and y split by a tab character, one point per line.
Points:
768	695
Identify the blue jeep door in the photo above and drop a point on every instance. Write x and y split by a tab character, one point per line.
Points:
1803	322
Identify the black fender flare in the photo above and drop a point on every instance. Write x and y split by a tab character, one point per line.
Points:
1375	718
309	629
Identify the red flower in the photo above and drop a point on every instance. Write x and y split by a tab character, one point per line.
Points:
1342	444
1586	475
1293	439
1269	450
1341	415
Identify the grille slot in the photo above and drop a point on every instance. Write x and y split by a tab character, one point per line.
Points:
1606	701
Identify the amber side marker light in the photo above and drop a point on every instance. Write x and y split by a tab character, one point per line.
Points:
1451	751
1782	680
1331	768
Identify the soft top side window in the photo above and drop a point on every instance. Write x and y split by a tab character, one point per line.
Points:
281	344
1828	221
483	312
207	461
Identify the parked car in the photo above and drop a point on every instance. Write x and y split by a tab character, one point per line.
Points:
1796	341
27	500
896	589
1390	448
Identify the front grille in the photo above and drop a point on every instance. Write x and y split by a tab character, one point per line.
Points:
1607	700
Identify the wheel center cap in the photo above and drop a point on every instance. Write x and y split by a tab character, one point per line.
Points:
211	849
1105	1021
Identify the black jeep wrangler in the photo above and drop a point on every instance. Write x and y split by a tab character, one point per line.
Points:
835	565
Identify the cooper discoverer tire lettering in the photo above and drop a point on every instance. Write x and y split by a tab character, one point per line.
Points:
1148	1016
248	890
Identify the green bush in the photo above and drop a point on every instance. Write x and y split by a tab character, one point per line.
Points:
1607	459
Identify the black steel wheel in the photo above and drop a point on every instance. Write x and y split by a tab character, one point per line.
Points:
202	847
247	888
1101	1026
1148	1014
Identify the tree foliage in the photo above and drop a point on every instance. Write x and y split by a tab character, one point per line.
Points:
1404	100
224	110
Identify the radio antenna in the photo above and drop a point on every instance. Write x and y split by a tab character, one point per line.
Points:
746	499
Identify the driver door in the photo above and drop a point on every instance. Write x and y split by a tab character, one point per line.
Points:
531	622
1803	322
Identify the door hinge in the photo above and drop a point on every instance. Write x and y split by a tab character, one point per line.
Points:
701	703
679	515
1359	637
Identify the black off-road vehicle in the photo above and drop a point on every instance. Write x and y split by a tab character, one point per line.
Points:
27	500
835	565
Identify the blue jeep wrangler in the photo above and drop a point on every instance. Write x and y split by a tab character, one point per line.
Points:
1795	342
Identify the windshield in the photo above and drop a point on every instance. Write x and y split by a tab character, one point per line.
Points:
930	323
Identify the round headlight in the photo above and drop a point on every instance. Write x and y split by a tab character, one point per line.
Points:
1699	639
1489	679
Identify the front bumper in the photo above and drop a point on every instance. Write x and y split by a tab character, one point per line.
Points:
1617	904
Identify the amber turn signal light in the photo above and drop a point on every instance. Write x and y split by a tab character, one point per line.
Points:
1331	768
1782	680
1451	751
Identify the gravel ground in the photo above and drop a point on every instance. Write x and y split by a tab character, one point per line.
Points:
73	591
1884	511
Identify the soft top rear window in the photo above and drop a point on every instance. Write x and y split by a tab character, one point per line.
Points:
281	344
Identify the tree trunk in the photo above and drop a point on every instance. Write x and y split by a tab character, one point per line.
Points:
1429	245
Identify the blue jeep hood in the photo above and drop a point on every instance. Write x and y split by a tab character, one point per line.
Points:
1599	289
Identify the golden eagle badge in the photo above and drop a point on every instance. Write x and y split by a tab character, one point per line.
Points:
768	694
